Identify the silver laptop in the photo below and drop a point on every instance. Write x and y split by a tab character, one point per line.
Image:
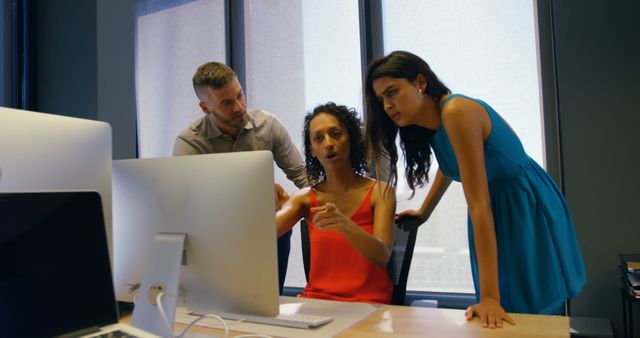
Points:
55	275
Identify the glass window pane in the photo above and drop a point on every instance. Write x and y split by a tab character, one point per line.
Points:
171	42
300	54
485	50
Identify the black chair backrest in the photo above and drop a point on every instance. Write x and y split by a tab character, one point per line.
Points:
406	231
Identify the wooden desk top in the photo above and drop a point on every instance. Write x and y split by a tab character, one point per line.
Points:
407	321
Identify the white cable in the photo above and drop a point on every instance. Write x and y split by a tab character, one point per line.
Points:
193	322
163	315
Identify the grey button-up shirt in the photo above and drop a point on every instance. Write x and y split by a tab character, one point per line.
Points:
263	131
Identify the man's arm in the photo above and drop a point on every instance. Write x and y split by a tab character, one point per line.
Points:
292	210
183	147
287	156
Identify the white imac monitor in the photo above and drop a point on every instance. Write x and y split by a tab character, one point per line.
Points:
40	152
225	205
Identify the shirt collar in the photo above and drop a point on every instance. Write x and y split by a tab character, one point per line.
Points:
250	121
213	131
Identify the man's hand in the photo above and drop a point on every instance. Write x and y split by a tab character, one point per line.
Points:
281	196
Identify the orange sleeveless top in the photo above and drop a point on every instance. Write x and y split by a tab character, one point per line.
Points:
337	270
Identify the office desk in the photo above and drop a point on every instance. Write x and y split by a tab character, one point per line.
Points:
405	321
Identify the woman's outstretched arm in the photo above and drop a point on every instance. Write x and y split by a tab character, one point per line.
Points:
438	188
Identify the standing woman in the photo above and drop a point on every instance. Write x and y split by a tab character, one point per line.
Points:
524	253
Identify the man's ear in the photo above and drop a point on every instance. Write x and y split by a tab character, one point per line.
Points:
204	108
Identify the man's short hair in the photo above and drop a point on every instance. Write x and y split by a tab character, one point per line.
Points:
212	74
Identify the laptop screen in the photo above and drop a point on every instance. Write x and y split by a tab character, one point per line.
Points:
55	274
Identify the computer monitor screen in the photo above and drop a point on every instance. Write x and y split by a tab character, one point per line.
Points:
49	152
55	275
225	205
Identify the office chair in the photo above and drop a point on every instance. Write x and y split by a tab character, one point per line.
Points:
406	231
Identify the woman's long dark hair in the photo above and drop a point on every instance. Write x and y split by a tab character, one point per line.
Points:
349	119
381	131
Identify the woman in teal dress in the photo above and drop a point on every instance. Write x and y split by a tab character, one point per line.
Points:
524	253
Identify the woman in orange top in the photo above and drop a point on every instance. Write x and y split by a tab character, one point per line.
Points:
350	222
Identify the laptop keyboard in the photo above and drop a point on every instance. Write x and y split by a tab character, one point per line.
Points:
115	334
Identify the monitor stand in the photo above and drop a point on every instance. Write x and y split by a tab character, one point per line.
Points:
161	274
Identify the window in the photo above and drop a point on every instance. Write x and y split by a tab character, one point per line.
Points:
485	50
300	54
172	39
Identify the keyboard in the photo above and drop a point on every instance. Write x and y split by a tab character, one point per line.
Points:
297	320
115	334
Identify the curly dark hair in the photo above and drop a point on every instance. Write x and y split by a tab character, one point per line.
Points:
381	132
349	119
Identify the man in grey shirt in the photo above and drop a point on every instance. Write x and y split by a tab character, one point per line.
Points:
228	127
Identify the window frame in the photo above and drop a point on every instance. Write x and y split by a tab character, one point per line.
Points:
372	46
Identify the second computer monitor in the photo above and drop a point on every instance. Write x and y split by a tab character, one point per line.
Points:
44	152
225	205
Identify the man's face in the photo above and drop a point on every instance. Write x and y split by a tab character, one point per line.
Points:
227	105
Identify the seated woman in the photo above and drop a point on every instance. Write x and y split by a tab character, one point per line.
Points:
350	222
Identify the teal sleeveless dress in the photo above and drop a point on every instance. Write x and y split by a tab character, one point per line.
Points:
539	260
